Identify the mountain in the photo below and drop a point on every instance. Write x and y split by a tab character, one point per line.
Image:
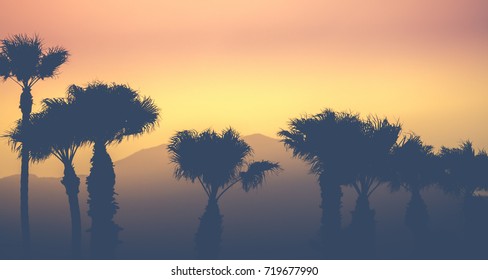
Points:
156	160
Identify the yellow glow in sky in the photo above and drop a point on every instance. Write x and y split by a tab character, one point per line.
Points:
255	65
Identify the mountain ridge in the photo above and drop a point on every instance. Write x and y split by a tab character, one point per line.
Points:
255	140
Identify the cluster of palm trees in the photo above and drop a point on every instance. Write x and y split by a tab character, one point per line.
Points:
342	149
99	114
345	150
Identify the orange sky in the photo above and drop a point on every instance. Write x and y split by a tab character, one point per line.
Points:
255	64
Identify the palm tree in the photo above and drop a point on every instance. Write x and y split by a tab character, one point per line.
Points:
24	61
374	168
465	175
218	161
327	142
110	114
54	131
415	165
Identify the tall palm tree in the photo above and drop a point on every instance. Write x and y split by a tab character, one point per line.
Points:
24	60
110	113
327	142
218	161
379	136
54	132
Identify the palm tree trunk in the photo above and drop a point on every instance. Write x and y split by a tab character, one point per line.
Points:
102	205
209	233
26	108
24	202
71	182
417	220
363	229
330	230
212	198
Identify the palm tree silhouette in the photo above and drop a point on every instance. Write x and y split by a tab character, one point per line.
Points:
465	175
110	114
24	61
343	149
217	162
416	166
54	131
379	136
326	142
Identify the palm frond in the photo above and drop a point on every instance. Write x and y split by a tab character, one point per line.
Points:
143	118
21	136
24	54
4	66
51	61
256	173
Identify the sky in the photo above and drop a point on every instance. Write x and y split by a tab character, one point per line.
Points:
254	65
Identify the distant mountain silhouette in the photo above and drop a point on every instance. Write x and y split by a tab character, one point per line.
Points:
264	147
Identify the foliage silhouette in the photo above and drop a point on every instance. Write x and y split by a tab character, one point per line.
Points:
465	176
112	113
327	141
464	169
53	131
346	150
24	60
217	161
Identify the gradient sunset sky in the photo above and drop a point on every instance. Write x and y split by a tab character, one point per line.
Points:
253	65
